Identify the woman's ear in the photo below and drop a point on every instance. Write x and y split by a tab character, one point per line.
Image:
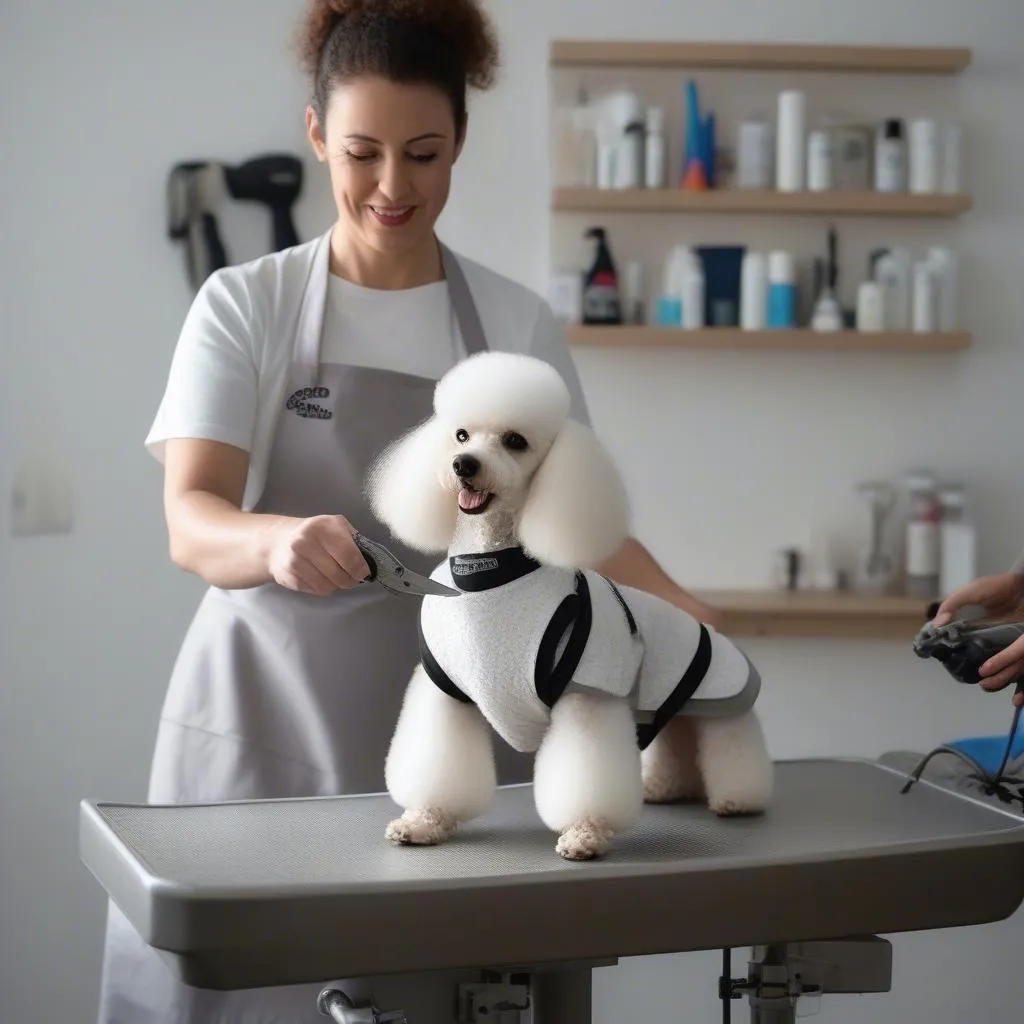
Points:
405	491
576	514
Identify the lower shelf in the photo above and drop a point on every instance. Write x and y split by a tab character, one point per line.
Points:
817	614
632	336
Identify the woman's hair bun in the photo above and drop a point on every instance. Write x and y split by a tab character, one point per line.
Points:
462	25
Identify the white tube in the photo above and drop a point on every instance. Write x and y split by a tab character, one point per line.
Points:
790	163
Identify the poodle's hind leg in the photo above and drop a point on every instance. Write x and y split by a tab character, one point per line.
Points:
735	764
587	783
440	765
669	764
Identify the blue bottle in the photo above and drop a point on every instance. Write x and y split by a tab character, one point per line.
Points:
781	290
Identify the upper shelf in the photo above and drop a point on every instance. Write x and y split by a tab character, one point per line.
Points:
900	60
732	200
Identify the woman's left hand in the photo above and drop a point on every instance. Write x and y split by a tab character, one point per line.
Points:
1004	668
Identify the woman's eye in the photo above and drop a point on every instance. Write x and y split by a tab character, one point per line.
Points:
516	442
462	436
360	157
424	158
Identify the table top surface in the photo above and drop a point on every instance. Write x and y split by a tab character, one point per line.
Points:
199	876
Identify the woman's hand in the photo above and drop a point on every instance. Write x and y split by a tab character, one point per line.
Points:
1002	597
316	555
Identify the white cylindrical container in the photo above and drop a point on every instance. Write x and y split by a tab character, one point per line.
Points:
952	172
753	291
889	157
924	156
654	155
870	307
693	291
789	156
924	314
944	264
754	164
957	542
819	161
629	157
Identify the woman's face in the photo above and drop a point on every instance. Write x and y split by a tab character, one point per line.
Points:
390	149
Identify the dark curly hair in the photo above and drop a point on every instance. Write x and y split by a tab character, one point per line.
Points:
446	43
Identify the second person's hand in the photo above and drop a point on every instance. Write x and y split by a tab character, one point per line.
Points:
317	555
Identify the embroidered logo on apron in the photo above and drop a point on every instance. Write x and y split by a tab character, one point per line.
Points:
299	403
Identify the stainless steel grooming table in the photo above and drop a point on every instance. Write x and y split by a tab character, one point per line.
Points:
243	895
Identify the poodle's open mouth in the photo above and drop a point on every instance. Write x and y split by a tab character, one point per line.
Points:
473	502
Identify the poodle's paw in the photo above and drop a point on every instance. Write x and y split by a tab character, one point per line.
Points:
584	841
421	828
739	803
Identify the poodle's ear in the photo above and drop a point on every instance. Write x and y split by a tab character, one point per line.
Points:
576	514
405	491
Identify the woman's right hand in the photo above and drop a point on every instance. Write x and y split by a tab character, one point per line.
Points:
316	555
1001	595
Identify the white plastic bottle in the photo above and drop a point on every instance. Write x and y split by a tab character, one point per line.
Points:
693	290
889	159
924	156
958	542
654	155
923	540
925	306
790	163
870	307
819	161
753	291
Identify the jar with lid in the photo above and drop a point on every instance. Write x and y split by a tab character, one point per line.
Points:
923	536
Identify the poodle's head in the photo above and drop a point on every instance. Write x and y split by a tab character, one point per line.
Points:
500	442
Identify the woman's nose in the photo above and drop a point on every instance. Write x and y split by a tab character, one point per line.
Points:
393	179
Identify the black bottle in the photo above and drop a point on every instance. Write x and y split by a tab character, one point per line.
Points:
601	301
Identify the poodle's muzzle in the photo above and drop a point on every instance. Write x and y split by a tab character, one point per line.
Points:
474	499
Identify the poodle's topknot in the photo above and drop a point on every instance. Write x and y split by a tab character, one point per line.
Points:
506	391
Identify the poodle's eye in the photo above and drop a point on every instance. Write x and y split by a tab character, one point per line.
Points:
516	442
462	436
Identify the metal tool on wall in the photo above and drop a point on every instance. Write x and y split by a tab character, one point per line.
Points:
197	188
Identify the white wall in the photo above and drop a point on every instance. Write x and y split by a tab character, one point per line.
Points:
729	455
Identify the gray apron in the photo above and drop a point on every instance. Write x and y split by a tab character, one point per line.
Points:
281	694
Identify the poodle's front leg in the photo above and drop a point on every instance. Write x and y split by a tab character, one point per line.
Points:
440	765
733	758
587	783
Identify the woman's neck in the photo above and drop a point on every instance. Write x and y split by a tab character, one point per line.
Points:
357	262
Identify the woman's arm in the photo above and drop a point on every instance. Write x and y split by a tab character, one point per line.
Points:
211	536
634	566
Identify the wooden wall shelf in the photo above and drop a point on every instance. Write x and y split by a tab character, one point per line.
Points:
742	201
899	60
633	336
817	614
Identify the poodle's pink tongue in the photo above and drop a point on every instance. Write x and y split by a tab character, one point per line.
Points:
471	499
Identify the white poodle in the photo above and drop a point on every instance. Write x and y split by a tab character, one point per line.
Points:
624	697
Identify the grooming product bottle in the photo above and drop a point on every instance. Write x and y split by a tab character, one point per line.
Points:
828	315
634	309
655	174
669	309
601	302
753	291
781	289
893	272
755	167
944	264
870	307
952	174
958	541
789	156
693	290
923	540
624	113
925	313
819	161
889	161
924	156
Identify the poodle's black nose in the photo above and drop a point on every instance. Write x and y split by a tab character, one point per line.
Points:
466	466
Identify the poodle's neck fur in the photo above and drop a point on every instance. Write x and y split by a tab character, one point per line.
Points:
493	531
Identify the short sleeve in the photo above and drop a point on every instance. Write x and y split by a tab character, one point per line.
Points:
549	344
213	384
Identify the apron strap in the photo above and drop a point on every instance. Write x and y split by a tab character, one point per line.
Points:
466	313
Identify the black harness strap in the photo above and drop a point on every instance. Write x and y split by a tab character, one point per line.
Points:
575	613
437	675
681	693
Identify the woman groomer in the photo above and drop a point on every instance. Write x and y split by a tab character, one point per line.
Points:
290	678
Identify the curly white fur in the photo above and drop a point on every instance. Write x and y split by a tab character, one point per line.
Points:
499	464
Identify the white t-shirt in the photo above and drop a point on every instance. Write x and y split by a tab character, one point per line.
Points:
229	370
